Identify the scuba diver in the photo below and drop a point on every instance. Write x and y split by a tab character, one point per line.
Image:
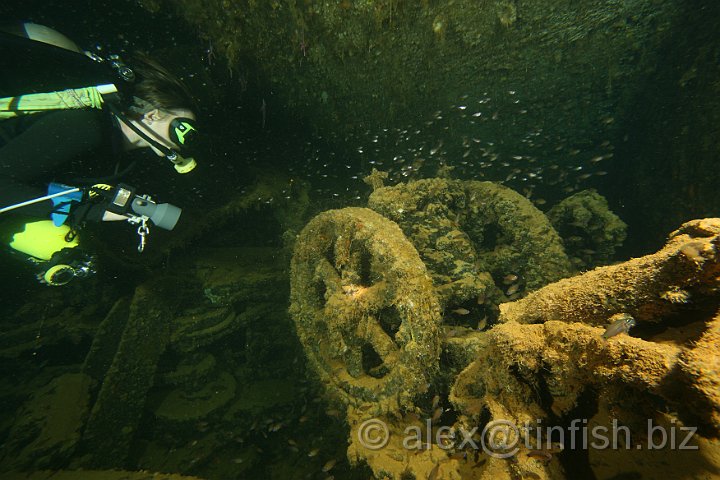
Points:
83	103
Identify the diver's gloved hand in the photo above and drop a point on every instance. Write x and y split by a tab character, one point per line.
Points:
75	206
96	206
87	211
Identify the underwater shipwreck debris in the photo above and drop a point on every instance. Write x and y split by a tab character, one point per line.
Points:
48	427
590	231
546	353
564	359
513	236
472	234
95	475
193	370
170	382
201	326
700	368
376	179
115	416
530	374
689	261
231	275
112	390
364	308
191	404
429	212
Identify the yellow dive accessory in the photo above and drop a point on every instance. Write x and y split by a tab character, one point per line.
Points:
42	239
183	164
48	247
73	98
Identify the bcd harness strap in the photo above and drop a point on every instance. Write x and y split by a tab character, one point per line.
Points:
74	98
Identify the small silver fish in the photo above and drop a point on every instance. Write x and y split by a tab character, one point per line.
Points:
622	323
263	112
460	311
329	465
436	415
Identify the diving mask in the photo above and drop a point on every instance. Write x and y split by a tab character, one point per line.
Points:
182	132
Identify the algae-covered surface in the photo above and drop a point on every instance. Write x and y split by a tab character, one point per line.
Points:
424	240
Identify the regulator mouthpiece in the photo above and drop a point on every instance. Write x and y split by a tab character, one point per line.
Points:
184	164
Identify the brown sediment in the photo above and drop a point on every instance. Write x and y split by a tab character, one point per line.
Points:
545	361
700	369
531	375
562	358
644	287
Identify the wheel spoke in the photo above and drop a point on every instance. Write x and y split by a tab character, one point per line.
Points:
373	333
326	273
372	298
353	362
342	312
341	251
352	273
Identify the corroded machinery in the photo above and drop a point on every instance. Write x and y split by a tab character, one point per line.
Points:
448	307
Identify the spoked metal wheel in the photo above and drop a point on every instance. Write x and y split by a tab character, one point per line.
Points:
365	308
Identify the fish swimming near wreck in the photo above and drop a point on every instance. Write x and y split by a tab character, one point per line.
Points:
622	323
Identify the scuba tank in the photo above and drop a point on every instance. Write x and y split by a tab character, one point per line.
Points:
32	64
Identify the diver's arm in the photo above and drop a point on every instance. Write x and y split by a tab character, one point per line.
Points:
50	143
12	193
43	150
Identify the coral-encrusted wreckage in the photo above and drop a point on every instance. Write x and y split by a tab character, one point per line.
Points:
448	325
449	306
451	329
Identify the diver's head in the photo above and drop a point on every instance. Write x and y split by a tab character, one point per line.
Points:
163	111
157	86
170	128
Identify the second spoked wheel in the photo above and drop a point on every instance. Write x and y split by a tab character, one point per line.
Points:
364	308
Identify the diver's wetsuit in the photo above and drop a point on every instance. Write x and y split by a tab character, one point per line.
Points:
37	149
